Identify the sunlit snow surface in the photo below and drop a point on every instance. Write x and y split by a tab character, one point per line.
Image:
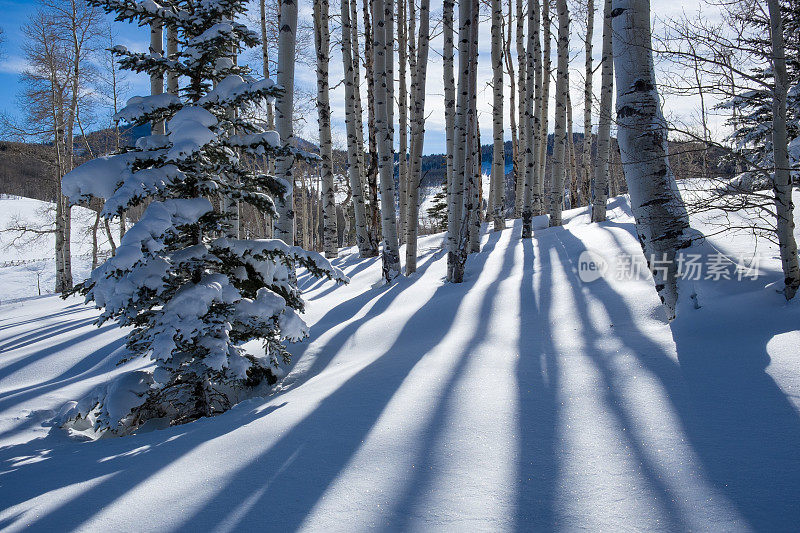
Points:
21	262
523	399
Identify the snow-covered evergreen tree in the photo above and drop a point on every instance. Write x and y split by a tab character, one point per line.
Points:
752	108
192	296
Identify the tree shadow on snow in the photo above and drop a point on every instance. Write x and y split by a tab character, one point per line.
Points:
320	446
418	485
317	448
537	387
740	424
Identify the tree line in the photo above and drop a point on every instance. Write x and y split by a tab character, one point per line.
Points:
745	62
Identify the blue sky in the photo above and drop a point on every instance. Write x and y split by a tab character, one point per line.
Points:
16	12
15	15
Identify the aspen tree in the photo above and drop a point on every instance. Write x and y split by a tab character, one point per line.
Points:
538	186
532	117
600	184
782	183
498	153
402	105
661	218
380	49
560	133
419	73
353	118
265	70
371	169
458	212
284	108
512	108
474	167
322	41
573	195
157	79
449	92
519	179
586	159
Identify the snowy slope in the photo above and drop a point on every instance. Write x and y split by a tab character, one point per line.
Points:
523	399
21	261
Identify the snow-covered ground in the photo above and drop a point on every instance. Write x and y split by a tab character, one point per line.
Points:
526	398
26	260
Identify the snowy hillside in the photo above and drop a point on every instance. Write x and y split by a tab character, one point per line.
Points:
528	398
25	259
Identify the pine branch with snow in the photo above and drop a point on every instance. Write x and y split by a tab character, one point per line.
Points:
193	293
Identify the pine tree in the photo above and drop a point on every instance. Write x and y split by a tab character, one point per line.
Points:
752	107
437	212
193	297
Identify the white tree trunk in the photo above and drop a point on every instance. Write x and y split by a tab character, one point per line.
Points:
519	178
353	124
457	216
371	220
60	274
322	41
265	70
512	108
600	184
572	193
476	197
449	93
531	118
560	133
157	80
586	160
419	74
498	153
390	37
403	44
661	219
782	184
287	41
172	51
67	247
391	253
230	205
538	185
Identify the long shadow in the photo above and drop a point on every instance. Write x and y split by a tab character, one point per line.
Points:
87	367
64	463
81	366
318	447
614	402
361	265
344	312
26	339
70	310
538	378
417	485
738	421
